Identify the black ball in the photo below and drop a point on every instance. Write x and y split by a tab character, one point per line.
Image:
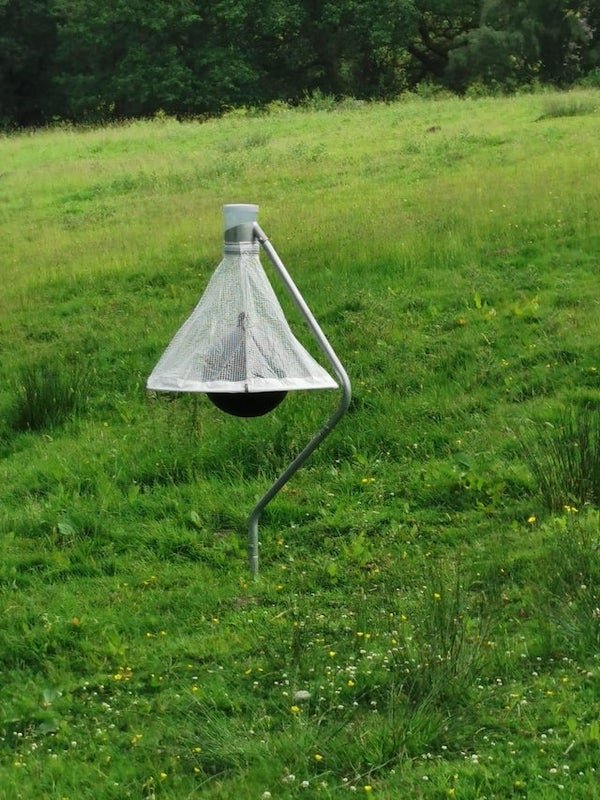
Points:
246	404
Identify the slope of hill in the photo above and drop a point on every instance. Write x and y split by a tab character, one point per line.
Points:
426	622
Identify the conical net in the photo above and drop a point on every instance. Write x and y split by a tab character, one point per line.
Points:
237	338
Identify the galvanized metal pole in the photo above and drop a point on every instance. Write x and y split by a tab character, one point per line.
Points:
344	381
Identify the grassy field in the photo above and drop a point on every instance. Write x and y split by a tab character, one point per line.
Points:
427	619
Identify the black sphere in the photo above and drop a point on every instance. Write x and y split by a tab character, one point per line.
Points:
246	404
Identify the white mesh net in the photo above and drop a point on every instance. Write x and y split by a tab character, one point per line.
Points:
237	338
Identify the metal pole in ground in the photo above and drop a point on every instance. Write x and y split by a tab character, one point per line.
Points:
344	381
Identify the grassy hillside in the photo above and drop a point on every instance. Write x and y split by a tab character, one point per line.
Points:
427	622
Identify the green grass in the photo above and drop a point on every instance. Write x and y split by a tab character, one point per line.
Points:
424	585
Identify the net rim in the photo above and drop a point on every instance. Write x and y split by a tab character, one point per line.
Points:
166	383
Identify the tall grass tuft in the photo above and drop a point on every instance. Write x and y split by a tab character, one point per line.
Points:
568	105
48	395
564	459
572	582
446	646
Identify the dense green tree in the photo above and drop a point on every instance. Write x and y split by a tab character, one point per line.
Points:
358	47
129	58
443	27
133	57
121	57
340	47
517	42
27	42
591	59
84	59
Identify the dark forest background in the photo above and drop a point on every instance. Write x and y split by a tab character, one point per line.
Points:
91	61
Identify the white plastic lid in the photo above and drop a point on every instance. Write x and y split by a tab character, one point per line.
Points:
239	214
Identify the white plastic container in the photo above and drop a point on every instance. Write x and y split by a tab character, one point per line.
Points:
239	214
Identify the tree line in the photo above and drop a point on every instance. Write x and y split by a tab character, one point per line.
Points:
84	60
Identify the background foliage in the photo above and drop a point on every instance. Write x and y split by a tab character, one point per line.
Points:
79	60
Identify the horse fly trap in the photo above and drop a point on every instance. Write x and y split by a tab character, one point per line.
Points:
237	346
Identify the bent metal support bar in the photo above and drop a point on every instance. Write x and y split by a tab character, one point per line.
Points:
253	538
